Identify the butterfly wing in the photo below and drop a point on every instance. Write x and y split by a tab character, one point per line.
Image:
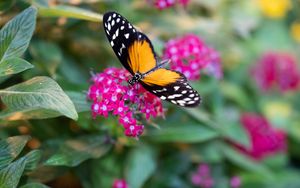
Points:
136	53
132	47
171	86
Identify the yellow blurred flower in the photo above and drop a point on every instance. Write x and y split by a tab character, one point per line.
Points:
277	110
295	31
274	8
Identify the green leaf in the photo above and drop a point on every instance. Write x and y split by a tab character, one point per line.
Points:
16	34
74	152
13	66
10	148
80	101
235	132
10	175
32	159
69	12
141	165
236	94
245	162
39	97
47	54
190	133
34	185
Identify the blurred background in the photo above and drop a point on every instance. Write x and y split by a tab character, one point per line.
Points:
241	56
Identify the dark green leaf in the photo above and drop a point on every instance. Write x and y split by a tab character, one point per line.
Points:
11	148
40	97
32	159
16	34
141	165
13	66
245	162
10	175
80	101
190	133
74	152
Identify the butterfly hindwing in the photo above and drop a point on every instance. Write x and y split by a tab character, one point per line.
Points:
177	91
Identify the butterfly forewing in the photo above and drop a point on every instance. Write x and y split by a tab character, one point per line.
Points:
132	47
136	53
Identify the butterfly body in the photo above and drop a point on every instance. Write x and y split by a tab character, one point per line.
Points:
136	53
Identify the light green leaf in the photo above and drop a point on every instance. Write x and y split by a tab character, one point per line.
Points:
34	185
69	12
74	152
141	165
37	98
16	34
10	148
190	133
13	66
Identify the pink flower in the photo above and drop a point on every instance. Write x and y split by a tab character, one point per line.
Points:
163	4
276	69
120	183
202	177
235	182
189	55
265	140
111	94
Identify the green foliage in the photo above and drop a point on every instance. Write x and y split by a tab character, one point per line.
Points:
39	97
43	94
11	172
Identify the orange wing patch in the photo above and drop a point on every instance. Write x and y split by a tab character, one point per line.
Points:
161	77
141	58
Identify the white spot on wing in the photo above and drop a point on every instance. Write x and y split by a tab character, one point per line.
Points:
117	32
174	102
122	27
112	43
114	15
176	87
118	20
184	92
109	18
163	97
108	26
126	35
113	23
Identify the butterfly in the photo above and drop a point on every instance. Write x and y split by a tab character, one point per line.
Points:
136	53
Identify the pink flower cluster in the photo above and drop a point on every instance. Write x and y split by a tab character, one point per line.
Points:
120	183
163	4
265	139
189	55
202	177
110	93
277	69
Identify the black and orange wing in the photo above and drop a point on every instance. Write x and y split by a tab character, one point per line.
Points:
132	47
136	53
171	86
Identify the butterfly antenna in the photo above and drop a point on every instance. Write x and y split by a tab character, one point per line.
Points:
92	72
